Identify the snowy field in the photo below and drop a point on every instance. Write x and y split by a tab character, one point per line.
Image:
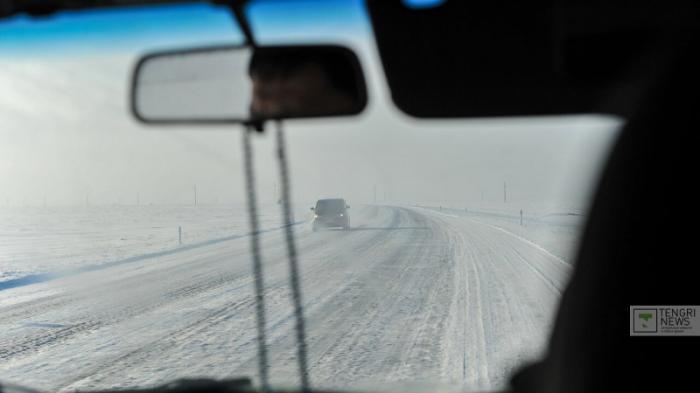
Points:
36	241
408	294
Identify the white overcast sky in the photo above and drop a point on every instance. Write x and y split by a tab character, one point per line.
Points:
66	134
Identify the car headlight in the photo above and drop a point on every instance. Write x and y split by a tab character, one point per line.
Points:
341	214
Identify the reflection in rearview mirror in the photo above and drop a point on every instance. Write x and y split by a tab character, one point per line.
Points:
238	84
198	85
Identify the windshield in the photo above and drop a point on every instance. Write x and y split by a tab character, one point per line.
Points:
124	248
325	206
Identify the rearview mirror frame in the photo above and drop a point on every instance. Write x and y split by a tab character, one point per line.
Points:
347	54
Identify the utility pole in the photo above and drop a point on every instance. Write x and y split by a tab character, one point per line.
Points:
375	194
138	199
195	195
505	199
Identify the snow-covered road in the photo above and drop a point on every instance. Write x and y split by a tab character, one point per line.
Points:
407	294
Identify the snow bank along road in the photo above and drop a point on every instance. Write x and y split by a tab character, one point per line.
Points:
406	294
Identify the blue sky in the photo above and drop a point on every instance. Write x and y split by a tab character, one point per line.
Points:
294	20
177	25
116	29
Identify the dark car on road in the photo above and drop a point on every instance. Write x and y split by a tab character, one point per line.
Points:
331	213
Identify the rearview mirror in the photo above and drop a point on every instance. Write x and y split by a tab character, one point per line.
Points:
238	84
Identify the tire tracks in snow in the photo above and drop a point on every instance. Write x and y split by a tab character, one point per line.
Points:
274	290
409	294
504	281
